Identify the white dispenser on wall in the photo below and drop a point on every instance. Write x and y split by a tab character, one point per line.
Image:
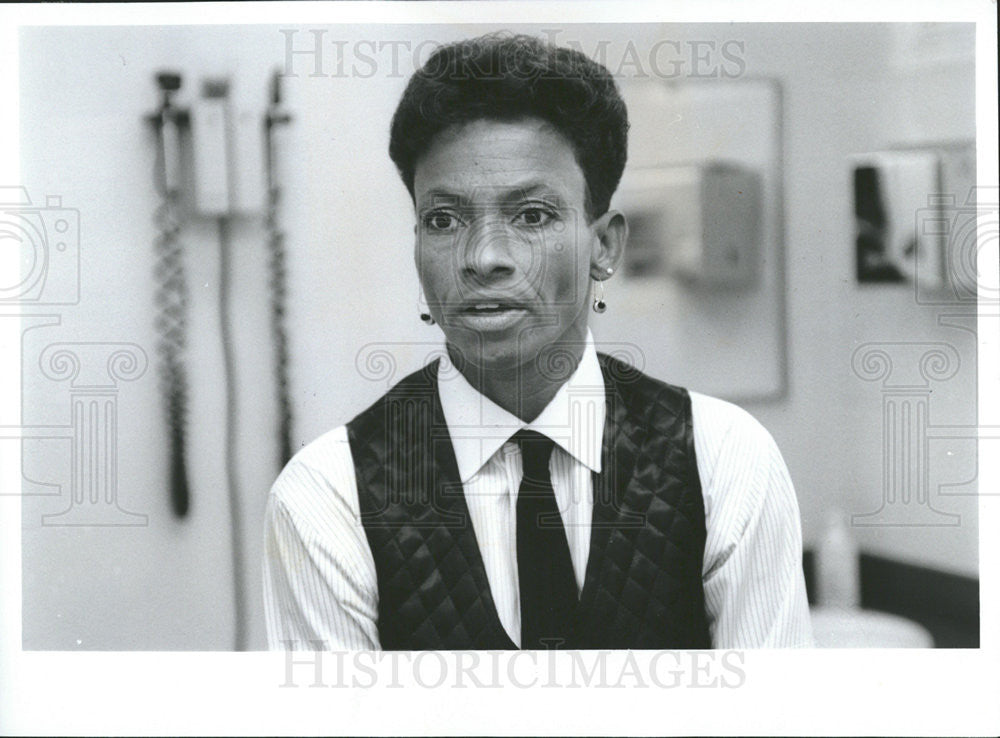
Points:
701	222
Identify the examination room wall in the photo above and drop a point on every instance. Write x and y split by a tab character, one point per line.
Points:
167	584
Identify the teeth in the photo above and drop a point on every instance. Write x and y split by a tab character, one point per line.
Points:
488	306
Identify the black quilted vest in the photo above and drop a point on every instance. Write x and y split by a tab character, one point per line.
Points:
643	583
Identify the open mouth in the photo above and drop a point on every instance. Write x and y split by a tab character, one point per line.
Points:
490	315
487	308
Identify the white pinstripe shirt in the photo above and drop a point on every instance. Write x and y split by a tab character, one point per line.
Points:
319	575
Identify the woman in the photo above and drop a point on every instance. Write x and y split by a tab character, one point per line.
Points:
527	491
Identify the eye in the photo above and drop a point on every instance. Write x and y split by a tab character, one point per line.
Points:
440	221
534	216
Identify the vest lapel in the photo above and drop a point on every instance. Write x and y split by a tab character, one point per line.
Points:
448	501
618	460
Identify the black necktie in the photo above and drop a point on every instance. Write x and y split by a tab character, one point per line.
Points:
544	567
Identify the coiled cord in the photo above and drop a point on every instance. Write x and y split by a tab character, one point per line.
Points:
279	292
171	326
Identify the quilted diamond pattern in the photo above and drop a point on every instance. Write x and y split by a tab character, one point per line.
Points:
643	582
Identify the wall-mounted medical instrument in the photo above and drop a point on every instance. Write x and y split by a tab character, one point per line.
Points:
699	223
209	174
170	121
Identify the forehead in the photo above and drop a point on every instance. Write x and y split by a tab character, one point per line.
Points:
486	156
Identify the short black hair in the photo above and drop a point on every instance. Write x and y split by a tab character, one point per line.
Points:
506	77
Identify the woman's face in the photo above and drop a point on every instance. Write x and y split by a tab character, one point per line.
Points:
503	249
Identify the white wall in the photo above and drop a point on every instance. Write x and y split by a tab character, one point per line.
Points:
168	584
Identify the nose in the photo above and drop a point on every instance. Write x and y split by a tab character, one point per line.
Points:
488	253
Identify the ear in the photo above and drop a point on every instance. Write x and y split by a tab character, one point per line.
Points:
611	231
416	247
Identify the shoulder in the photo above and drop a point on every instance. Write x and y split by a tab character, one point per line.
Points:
318	482
732	447
420	387
320	479
644	396
722	424
322	452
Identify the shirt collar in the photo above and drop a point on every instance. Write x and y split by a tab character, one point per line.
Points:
573	419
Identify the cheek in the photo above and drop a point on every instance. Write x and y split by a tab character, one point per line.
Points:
573	257
433	269
568	281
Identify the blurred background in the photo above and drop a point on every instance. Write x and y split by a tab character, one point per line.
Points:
785	256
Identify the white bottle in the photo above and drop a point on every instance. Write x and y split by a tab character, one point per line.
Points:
838	580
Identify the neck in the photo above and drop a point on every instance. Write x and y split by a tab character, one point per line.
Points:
525	391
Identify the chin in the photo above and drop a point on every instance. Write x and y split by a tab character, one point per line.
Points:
494	356
500	358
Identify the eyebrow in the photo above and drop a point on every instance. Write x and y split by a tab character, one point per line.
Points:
440	196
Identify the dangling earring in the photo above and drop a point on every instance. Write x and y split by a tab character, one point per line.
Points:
599	305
